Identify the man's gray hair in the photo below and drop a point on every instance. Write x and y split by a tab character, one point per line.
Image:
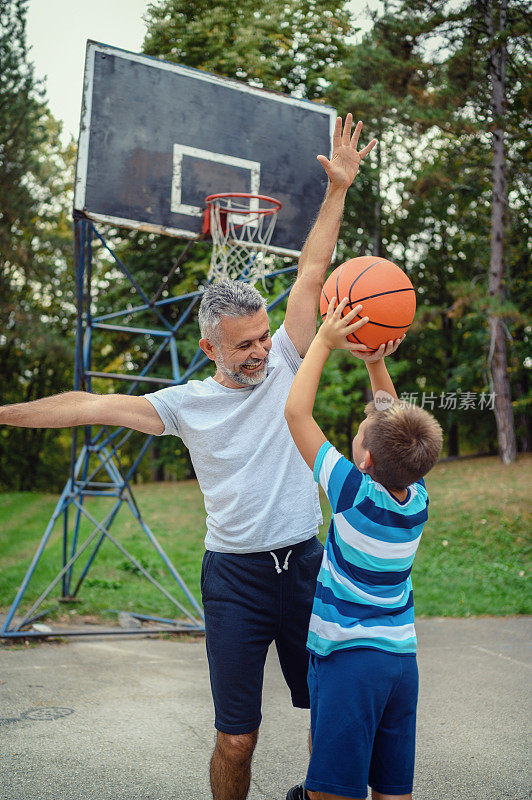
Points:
227	298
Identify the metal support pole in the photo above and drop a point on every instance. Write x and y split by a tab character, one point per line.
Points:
97	470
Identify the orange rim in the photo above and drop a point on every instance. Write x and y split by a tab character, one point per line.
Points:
277	205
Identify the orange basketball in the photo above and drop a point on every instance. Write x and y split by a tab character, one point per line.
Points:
385	292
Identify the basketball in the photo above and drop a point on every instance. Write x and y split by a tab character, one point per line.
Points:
385	292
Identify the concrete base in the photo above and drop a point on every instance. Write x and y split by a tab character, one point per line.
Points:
130	718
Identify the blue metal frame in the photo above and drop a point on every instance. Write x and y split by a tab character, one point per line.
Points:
101	448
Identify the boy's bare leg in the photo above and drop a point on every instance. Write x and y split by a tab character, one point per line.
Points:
378	796
231	765
374	796
325	796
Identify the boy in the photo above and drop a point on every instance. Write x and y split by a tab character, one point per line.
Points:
363	677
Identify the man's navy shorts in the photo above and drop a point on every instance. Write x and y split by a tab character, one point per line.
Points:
363	722
251	600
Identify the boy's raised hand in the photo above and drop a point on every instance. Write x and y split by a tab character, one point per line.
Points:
335	329
359	351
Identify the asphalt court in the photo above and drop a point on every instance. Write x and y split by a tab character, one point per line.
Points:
118	718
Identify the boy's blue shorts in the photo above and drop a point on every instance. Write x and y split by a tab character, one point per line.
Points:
251	600
363	722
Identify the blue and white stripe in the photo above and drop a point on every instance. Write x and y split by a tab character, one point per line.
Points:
364	591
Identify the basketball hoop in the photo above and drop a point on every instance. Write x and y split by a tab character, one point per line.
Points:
241	226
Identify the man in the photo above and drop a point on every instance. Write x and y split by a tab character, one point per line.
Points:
262	555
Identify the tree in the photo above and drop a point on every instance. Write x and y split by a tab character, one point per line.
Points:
36	277
385	81
22	132
286	46
485	33
290	47
467	47
496	30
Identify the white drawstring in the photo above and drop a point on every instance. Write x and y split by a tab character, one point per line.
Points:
277	567
285	565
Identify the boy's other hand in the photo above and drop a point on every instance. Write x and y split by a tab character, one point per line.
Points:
360	351
335	329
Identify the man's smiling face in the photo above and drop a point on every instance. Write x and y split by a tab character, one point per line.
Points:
240	350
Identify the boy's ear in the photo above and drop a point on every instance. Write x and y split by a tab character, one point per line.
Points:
366	463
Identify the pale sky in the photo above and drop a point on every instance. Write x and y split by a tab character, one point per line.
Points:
57	33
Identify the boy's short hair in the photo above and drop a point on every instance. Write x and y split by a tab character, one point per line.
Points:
404	441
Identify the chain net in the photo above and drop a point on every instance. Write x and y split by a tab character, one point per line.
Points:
241	228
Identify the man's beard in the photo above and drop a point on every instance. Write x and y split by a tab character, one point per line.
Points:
241	377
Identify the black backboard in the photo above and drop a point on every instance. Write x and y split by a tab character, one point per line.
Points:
156	138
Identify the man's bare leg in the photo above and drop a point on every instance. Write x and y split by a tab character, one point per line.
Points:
231	765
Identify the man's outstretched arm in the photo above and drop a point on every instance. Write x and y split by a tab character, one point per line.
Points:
81	408
304	299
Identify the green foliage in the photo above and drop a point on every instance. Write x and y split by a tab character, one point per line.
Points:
22	132
287	46
424	198
418	80
36	288
474	556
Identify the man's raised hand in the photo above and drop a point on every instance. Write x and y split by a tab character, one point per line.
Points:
345	160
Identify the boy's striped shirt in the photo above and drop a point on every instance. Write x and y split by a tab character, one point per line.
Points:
364	590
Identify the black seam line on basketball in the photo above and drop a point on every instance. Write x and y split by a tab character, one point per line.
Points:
380	294
358	340
338	299
381	324
379	261
325	296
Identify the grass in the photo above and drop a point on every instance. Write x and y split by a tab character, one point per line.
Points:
473	558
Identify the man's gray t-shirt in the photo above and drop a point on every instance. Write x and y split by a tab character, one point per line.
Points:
259	493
